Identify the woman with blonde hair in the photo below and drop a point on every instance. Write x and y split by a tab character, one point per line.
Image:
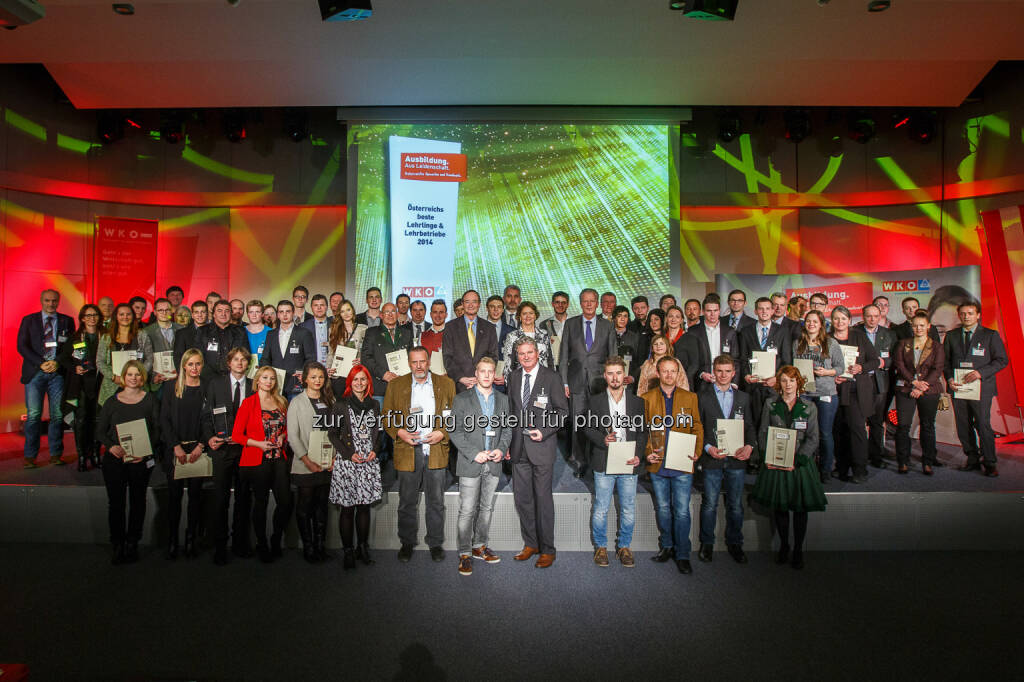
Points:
262	431
660	347
183	444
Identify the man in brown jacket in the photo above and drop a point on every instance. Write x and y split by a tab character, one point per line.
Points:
669	410
415	407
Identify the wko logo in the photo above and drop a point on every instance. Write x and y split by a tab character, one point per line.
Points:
906	286
419	292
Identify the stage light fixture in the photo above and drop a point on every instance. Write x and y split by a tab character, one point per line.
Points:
714	10
798	125
861	126
922	127
295	125
879	5
15	13
109	126
345	10
125	9
172	129
728	126
234	126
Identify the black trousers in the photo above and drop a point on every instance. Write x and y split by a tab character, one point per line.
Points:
84	425
876	427
974	429
927	407
270	475
127	485
175	489
225	477
531	490
579	458
851	439
432	482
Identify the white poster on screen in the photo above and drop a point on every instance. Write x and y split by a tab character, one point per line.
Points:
424	184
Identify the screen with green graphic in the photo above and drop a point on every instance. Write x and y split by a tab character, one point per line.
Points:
448	207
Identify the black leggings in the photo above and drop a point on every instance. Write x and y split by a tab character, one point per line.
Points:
175	489
311	503
799	528
269	475
127	486
359	513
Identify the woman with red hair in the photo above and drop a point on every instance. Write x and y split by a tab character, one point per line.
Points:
355	482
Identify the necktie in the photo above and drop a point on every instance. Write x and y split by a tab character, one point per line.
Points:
472	337
588	337
967	339
526	389
732	321
237	399
764	337
48	337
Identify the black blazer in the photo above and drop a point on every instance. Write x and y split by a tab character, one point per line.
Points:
903	331
692	350
455	348
636	431
750	341
31	345
340	431
863	384
632	344
711	411
376	345
301	349
992	359
218	396
81	386
172	427
183	340
885	344
744	321
548	420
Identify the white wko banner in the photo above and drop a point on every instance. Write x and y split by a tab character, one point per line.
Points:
424	184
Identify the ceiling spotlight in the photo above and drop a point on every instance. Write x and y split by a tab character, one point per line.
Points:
234	126
125	9
172	129
798	125
18	13
861	127
345	10
109	127
728	126
879	5
715	10
922	127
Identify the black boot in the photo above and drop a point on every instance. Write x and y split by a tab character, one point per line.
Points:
131	552
119	555
363	554
190	544
305	525
275	546
320	540
263	551
172	548
350	559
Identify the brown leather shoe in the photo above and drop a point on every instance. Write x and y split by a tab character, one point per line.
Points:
601	557
465	564
486	555
545	560
526	553
626	557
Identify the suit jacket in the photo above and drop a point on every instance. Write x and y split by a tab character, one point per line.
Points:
547	419
183	340
582	370
309	325
249	424
711	412
692	350
632	344
684	404
744	322
458	361
301	349
157	339
218	416
501	330
862	388
903	331
377	343
361	318
216	343
929	369
31	345
340	431
750	341
991	360
396	410
885	343
468	441
599	414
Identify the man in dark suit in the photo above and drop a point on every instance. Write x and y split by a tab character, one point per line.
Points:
884	340
41	338
725	469
371	316
386	338
418	321
319	325
186	338
511	298
466	339
616	416
737	319
704	342
217	338
587	341
289	347
224	395
763	335
980	350
779	316
903	330
299	296
495	316
537	399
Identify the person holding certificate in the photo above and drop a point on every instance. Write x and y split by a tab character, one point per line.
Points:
974	355
526	319
381	340
355	481
161	334
260	428
792	423
919	361
122	341
82	386
764	347
129	428
312	459
729	440
481	438
345	331
676	431
856	388
615	427
827	361
180	424
216	339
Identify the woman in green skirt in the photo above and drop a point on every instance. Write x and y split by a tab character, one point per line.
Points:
796	488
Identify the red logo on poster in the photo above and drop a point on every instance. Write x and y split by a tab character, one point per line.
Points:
854	295
419	292
434	167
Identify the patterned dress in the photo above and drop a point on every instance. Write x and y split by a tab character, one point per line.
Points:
273	426
356	483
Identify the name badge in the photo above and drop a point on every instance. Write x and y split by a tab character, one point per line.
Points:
445	414
62	338
542	401
967	365
150	463
294	350
977	350
259	351
900	382
415	410
800	424
825	398
212	345
50	344
80	344
725	348
884	353
491	434
321	406
220	410
771	347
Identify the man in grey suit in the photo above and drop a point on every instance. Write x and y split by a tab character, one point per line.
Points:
538	401
587	341
884	341
161	334
980	350
481	437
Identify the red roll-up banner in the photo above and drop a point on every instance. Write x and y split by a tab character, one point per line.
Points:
1006	295
124	260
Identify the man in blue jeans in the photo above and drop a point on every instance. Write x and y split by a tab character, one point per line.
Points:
669	411
725	465
41	337
615	416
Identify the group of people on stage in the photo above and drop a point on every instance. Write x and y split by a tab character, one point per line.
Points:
264	399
